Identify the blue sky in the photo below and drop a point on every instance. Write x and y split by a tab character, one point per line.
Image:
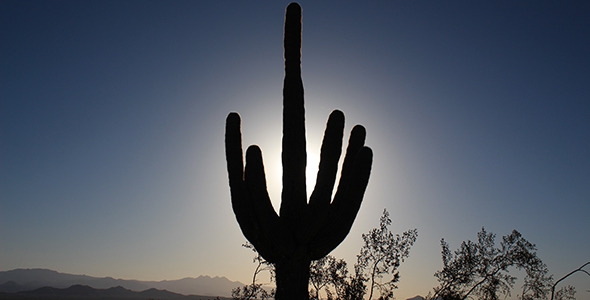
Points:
112	120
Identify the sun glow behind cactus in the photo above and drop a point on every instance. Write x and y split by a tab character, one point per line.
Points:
274	171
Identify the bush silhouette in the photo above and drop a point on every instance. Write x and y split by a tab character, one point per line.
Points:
303	231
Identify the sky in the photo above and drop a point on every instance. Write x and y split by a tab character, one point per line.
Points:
112	127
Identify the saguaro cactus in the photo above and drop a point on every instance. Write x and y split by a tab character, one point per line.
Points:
304	231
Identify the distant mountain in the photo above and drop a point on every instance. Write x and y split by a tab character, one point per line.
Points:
202	285
31	279
11	287
76	292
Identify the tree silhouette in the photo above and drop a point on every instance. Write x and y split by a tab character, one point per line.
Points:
303	231
381	254
480	269
375	271
255	290
567	292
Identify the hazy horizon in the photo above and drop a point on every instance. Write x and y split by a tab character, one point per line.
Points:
112	124
58	271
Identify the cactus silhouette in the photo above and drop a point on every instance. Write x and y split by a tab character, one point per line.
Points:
303	231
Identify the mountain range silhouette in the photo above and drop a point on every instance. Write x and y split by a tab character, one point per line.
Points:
85	292
35	280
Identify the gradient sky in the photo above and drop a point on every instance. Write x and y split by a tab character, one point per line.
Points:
112	121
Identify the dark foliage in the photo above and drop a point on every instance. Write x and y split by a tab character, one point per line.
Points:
255	290
375	271
481	270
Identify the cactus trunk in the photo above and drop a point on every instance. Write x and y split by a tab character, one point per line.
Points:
292	274
305	230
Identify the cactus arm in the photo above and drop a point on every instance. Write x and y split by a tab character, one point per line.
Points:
348	198
329	157
235	170
294	195
347	201
255	179
251	209
233	150
265	215
355	175
355	143
319	202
